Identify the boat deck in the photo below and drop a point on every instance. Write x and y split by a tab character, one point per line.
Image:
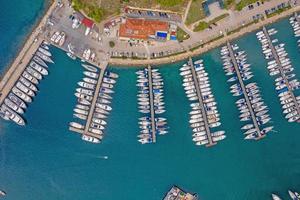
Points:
151	104
280	67
204	114
241	82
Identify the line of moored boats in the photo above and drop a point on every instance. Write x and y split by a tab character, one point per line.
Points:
204	114
296	27
150	96
25	88
85	94
293	195
252	109
279	65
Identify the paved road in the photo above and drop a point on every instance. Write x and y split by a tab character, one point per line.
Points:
103	50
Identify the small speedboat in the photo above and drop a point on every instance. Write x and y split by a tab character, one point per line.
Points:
89	67
90	139
275	197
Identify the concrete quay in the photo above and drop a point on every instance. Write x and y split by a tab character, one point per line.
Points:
24	56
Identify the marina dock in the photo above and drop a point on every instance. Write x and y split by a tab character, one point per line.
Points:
92	108
280	67
198	91
24	56
151	104
241	82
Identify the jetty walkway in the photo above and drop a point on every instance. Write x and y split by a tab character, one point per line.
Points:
204	115
96	95
280	67
86	131
151	104
241	82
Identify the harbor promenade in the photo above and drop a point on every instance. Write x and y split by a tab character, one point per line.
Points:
206	47
203	111
21	61
151	104
241	82
280	67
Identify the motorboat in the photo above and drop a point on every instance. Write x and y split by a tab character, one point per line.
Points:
17	100
21	95
89	67
275	197
80	111
34	73
90	139
40	61
86	85
44	57
12	115
24	89
76	125
28	84
30	78
13	106
91	74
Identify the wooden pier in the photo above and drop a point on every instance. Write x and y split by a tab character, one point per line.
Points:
241	82
280	67
151	105
86	131
93	105
198	91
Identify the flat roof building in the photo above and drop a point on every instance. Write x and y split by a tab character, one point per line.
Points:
142	29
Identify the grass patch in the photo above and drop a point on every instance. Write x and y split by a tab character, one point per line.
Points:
169	3
92	10
218	18
181	35
204	25
277	12
244	3
228	4
195	12
111	44
201	26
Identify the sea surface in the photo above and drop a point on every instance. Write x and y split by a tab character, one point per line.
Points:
45	161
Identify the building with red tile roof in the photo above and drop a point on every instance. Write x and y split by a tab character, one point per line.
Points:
87	22
142	28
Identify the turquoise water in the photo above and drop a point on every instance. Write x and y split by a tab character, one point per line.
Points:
16	20
43	160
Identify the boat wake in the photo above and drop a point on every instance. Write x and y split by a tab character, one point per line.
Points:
93	156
